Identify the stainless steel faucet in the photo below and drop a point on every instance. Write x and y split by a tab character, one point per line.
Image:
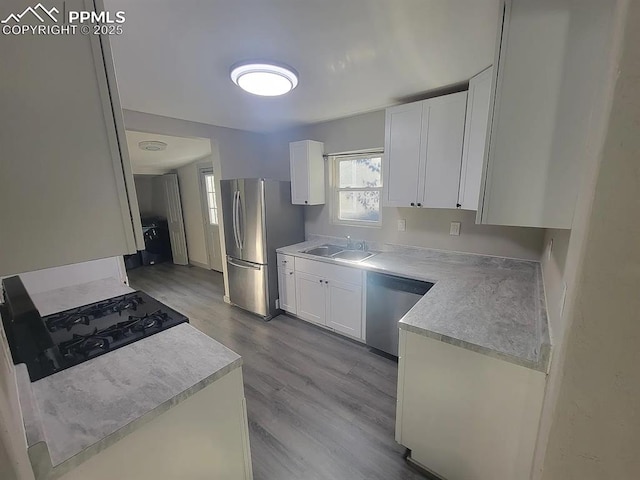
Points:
349	242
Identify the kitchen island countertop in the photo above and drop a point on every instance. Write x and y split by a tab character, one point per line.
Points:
492	305
77	412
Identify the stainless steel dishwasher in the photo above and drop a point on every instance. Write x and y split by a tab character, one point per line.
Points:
389	298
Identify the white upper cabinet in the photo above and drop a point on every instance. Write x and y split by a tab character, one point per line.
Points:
423	152
66	189
551	61
444	132
403	155
475	139
307	172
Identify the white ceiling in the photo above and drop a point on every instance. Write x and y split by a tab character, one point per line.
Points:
180	151
353	56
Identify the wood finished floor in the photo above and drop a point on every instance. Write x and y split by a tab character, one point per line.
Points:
319	406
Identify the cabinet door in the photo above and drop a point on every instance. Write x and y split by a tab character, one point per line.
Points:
403	155
311	296
552	59
445	134
344	308
299	165
63	197
307	172
475	136
287	290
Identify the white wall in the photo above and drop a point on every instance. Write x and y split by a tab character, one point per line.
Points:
595	429
424	227
76	274
194	225
144	191
593	29
242	154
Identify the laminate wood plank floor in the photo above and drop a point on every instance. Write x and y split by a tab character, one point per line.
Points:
320	407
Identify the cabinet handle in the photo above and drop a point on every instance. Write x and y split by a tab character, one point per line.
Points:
321	281
284	261
290	273
419	204
327	282
306	201
413	204
458	205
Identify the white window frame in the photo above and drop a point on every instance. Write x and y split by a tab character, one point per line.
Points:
206	173
334	202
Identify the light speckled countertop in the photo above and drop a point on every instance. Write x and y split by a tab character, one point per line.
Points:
491	305
76	413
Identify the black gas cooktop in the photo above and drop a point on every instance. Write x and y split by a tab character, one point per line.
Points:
76	335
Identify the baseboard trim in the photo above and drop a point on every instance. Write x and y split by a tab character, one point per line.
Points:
422	469
198	264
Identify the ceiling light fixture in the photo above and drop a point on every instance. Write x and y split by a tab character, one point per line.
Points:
152	146
265	79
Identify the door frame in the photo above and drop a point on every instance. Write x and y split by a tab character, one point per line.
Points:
204	207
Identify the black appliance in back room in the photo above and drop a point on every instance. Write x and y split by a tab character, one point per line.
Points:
55	342
155	231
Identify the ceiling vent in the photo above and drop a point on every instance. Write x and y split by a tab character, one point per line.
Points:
152	146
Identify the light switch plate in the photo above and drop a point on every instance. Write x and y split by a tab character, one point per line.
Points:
455	228
402	225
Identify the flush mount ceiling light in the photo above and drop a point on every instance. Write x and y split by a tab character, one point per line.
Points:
152	146
265	79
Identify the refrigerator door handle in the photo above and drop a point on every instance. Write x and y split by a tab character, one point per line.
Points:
243	265
240	222
236	196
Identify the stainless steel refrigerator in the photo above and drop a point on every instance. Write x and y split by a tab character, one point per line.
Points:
258	218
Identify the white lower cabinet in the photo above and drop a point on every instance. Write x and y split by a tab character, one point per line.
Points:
465	415
204	436
344	308
287	290
311	294
330	295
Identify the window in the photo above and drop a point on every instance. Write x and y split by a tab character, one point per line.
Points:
210	186
357	189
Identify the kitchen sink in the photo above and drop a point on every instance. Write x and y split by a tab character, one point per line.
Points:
324	250
353	255
339	253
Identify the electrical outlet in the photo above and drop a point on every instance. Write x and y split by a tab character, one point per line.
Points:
402	225
455	228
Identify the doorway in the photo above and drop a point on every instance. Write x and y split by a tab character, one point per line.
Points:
209	200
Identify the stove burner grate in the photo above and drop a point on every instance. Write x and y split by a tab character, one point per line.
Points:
84	315
102	340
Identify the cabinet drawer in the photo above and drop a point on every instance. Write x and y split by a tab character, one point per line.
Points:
285	261
328	271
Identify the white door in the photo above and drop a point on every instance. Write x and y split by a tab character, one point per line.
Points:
287	289
209	200
311	296
174	219
403	155
445	135
345	308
